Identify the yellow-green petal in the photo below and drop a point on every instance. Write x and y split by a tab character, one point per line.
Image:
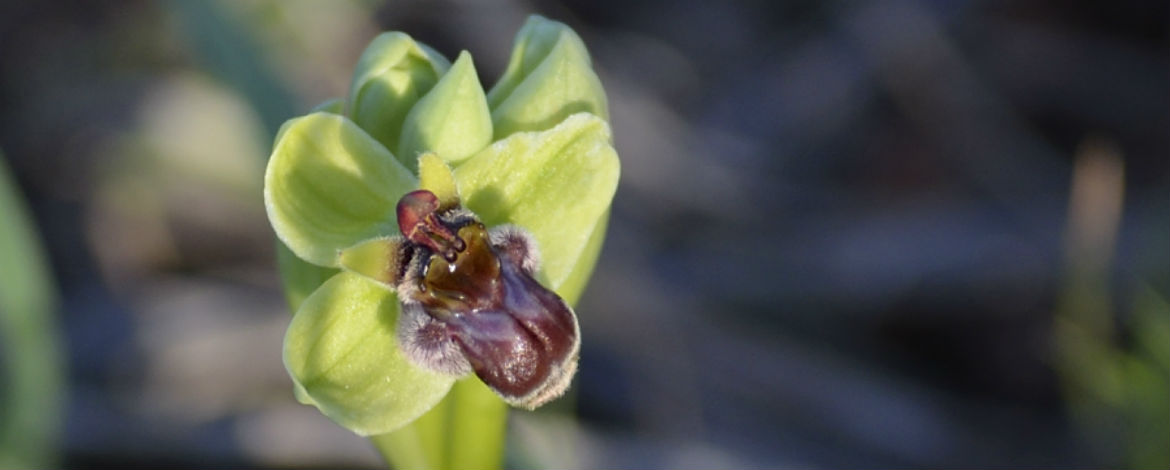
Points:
452	119
330	185
556	184
392	74
341	350
548	78
375	259
435	176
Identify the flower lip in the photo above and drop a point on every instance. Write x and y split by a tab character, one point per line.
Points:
470	303
525	344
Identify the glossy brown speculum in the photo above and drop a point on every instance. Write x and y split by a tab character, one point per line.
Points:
480	301
470	283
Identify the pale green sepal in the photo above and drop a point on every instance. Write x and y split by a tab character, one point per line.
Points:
375	259
556	184
452	119
342	350
392	74
548	78
329	185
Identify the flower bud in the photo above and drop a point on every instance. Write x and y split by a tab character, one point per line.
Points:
548	78
452	119
392	74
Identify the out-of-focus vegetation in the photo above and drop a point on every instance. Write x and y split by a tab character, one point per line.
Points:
31	370
1115	381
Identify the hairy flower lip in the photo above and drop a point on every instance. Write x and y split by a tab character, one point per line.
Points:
483	310
542	324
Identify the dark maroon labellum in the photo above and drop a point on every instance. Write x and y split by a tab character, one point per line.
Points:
470	303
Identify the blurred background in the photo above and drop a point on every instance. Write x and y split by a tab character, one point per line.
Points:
863	234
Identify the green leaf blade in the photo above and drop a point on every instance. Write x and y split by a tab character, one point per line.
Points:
31	359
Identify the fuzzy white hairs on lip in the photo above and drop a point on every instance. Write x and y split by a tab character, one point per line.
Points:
425	341
513	240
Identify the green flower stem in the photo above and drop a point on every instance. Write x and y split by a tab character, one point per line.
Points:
32	363
465	430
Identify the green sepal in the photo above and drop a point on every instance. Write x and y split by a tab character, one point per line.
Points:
299	277
330	185
342	352
556	184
